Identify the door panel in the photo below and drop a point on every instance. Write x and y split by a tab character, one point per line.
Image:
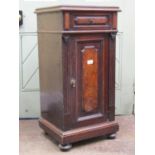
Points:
89	78
91	74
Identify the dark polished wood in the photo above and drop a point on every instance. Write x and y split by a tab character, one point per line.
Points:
78	134
77	72
91	20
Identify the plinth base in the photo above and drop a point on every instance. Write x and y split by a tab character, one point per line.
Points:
78	134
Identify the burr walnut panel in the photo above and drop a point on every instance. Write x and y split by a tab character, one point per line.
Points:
89	78
91	20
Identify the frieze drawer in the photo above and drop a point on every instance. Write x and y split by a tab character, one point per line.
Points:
90	21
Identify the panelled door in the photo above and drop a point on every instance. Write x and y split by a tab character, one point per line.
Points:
90	78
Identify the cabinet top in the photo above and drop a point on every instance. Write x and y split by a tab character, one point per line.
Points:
77	8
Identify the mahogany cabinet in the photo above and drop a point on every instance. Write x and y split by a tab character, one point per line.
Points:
77	72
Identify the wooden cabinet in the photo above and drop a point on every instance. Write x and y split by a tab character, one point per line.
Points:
77	72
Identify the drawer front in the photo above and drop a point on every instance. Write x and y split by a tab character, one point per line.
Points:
90	20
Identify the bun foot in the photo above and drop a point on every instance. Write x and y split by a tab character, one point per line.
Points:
112	136
65	147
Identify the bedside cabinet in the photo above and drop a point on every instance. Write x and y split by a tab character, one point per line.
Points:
77	72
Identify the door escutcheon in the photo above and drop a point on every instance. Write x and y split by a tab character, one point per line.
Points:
73	83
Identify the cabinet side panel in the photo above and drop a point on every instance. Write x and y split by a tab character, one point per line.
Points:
50	21
51	78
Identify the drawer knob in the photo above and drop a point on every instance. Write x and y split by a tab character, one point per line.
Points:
90	21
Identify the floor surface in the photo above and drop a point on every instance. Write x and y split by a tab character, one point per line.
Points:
33	141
